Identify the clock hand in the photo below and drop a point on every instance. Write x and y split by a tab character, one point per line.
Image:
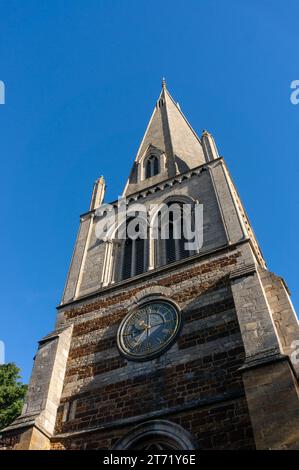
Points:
154	328
147	337
160	323
140	337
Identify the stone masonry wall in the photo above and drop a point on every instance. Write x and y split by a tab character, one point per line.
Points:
196	383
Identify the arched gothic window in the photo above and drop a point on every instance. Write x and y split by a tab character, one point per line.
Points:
157	435
171	243
152	166
155	442
131	258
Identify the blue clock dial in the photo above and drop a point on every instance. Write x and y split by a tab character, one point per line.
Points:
148	331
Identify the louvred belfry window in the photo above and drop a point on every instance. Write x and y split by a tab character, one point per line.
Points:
170	243
134	256
152	166
139	256
172	248
127	258
156	165
148	172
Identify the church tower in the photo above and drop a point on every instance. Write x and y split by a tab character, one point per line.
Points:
160	343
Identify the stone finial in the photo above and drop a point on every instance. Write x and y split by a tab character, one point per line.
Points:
209	146
98	193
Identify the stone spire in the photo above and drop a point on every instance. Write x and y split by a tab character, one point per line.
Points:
168	133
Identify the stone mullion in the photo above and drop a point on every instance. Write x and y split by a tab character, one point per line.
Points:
133	259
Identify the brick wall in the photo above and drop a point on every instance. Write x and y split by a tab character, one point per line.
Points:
224	426
196	383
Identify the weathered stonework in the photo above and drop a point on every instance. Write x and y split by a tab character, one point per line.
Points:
229	381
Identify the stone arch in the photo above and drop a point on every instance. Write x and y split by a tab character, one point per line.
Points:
114	251
161	248
157	434
151	151
173	198
149	293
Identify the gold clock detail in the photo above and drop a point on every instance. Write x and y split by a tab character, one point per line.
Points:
148	331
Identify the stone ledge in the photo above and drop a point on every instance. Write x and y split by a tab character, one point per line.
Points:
243	271
221	250
26	424
263	358
53	335
22	421
168	182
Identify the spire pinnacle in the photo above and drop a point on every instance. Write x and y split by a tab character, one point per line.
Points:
98	193
163	83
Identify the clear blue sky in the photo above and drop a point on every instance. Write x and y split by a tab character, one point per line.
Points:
82	77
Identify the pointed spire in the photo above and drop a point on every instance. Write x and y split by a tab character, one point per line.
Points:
171	136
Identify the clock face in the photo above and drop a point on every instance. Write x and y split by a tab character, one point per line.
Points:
148	331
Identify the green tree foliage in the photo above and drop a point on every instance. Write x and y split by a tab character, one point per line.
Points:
12	393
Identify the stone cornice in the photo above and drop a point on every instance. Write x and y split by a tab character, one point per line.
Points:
168	183
263	358
243	271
